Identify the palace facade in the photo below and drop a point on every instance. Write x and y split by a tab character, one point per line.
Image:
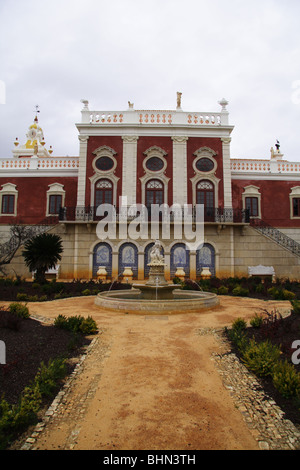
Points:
145	158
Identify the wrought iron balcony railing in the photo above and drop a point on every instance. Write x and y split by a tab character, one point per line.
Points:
211	215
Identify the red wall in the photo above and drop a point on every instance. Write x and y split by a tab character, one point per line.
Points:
32	197
275	200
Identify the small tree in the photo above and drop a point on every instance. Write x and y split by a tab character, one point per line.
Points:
42	253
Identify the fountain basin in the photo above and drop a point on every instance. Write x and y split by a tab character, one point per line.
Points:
134	301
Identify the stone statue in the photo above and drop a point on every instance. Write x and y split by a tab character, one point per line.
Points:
155	253
179	99
277	145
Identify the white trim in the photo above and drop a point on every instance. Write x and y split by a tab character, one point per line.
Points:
9	189
252	191
295	194
55	189
202	177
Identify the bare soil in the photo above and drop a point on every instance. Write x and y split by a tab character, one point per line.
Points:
150	382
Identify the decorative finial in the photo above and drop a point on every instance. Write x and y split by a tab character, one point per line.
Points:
223	103
36	112
86	104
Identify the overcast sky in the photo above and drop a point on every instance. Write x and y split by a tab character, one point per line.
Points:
55	53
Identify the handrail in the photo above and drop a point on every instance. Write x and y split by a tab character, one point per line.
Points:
276	235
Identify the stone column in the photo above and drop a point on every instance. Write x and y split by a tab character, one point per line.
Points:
180	170
167	258
83	139
227	172
141	265
115	265
129	168
193	269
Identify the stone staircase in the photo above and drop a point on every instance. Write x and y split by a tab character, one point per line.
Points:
20	233
276	235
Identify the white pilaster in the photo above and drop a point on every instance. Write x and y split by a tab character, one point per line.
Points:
227	172
83	139
180	170
129	168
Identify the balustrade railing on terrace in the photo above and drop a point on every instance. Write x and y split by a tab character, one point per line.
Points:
214	215
31	163
161	118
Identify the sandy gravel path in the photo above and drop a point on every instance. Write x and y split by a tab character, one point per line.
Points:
150	383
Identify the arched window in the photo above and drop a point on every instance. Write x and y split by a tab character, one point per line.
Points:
205	194
154	193
103	192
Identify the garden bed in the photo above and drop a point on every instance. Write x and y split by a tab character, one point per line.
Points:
280	332
30	345
26	291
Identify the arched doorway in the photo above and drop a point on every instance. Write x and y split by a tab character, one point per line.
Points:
128	257
180	257
206	259
102	256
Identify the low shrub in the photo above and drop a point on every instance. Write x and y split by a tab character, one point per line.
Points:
239	324
76	324
88	326
286	380
240	291
296	306
86	292
48	375
261	358
20	310
223	290
288	295
22	297
256	321
238	338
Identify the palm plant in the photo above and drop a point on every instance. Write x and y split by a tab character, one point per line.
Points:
42	253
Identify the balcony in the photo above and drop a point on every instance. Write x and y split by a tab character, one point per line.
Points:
88	214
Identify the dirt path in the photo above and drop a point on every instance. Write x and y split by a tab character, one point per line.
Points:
150	383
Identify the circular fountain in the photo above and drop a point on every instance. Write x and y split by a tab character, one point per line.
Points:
157	296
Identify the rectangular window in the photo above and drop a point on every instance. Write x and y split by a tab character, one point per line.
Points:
252	206
55	203
8	204
296	207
